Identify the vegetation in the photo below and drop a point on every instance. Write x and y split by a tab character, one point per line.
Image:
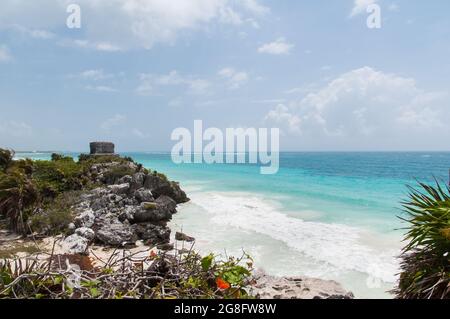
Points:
116	172
425	260
35	195
18	193
38	196
56	214
158	276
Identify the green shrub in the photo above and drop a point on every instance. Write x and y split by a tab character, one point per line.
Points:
26	185
117	172
6	158
18	197
425	260
54	177
56	215
161	175
59	157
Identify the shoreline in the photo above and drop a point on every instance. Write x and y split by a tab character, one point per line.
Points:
131	208
322	270
217	232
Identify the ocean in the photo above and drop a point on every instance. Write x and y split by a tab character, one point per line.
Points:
324	215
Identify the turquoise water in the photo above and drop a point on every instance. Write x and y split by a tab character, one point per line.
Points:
326	215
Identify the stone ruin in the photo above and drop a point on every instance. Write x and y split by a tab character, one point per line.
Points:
102	148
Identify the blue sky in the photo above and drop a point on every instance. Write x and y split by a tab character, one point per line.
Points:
137	69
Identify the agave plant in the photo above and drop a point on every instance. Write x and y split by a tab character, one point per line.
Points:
425	259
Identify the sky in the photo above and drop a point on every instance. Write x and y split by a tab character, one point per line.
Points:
138	69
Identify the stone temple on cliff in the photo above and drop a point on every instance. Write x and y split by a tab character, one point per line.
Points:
102	148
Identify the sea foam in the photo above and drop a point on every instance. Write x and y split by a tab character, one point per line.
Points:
343	248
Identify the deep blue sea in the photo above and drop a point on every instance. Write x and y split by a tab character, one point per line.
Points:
326	215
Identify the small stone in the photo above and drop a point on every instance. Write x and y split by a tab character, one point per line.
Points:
85	232
139	243
152	234
165	247
75	244
183	237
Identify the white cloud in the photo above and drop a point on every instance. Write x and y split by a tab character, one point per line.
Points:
145	88
93	74
33	33
235	79
90	45
281	115
144	23
5	54
278	47
393	7
360	6
150	82
177	102
364	107
198	86
255	7
138	133
16	129
269	101
101	88
112	122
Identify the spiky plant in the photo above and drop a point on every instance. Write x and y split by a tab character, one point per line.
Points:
425	259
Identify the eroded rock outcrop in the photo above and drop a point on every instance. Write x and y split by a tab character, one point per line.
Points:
269	287
131	204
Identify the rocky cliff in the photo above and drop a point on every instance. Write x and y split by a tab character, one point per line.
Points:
130	204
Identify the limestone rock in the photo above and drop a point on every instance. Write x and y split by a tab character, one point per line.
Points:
137	181
144	195
269	287
85	219
152	234
167	203
75	244
119	189
85	232
160	186
183	237
160	210
126	179
115	233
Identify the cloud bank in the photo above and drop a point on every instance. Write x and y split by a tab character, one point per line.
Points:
365	108
115	25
